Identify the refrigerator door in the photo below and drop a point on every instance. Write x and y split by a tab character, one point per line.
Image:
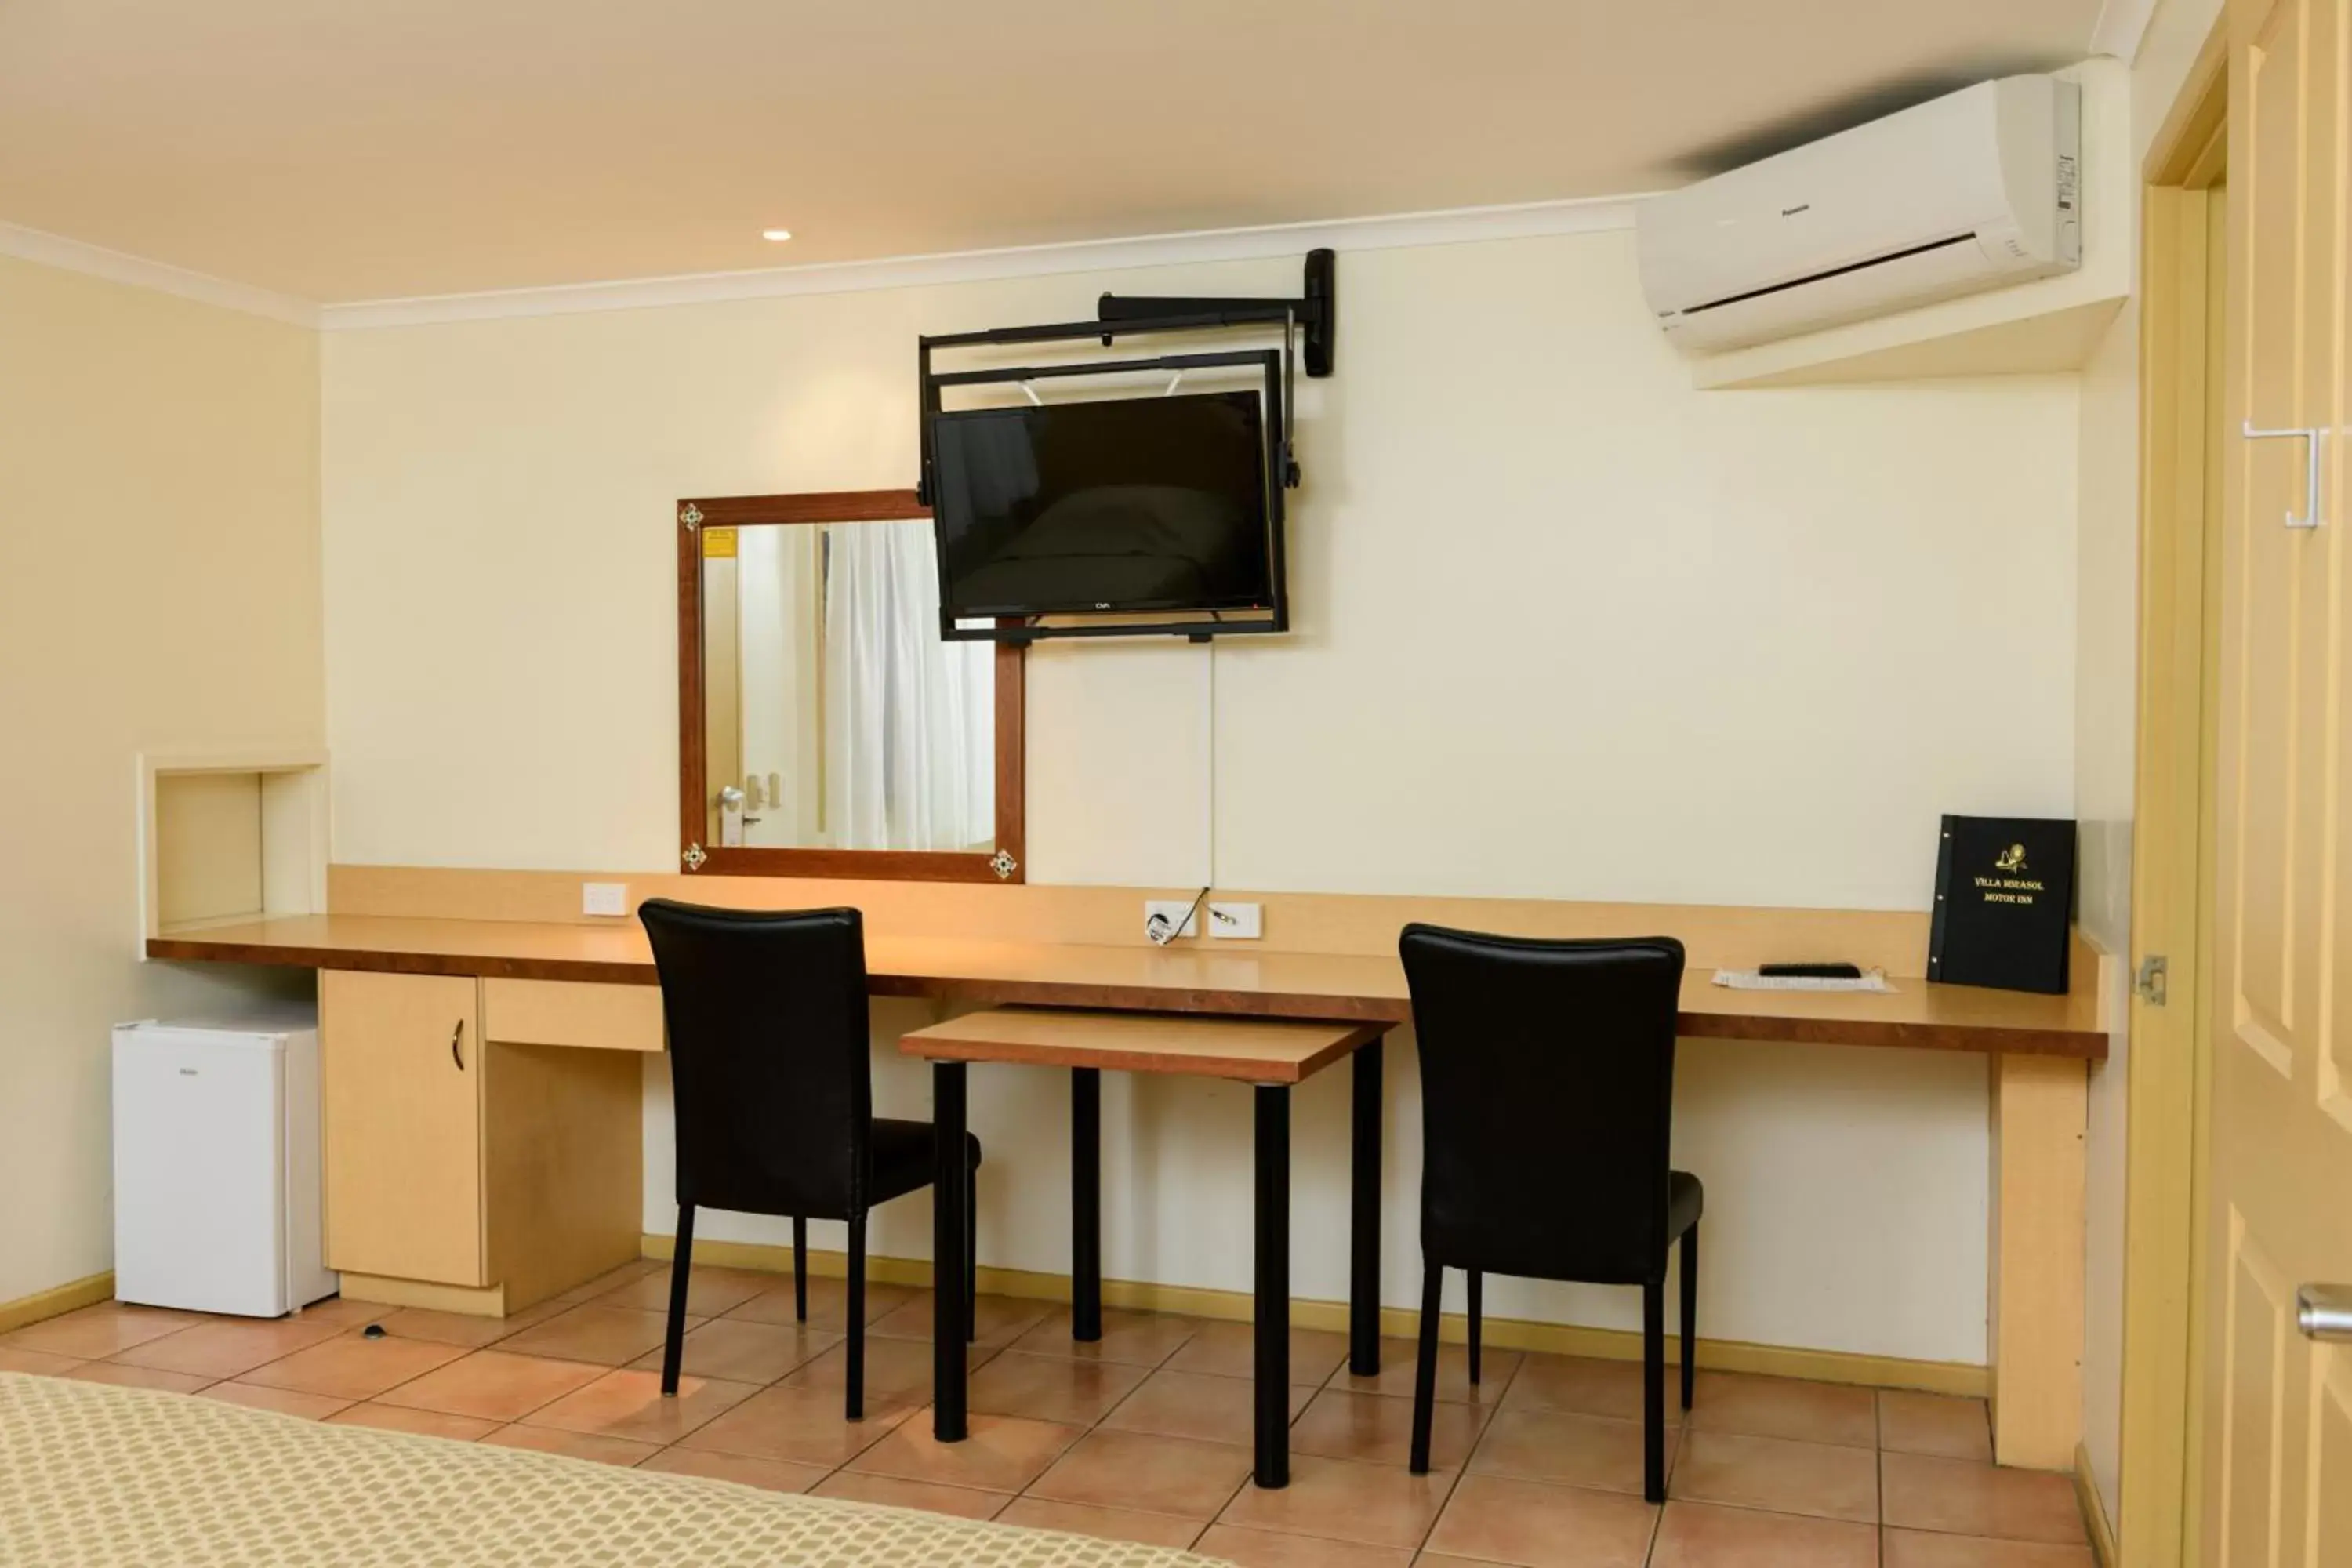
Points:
308	1278
199	1170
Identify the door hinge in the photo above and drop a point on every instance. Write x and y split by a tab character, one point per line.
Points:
2149	984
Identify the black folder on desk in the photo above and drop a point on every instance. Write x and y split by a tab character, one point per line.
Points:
2004	903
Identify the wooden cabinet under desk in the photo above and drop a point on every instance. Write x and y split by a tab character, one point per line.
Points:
483	1138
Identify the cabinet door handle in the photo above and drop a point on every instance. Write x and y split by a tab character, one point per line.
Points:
455	1036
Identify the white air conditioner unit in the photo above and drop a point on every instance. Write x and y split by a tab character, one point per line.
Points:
1977	189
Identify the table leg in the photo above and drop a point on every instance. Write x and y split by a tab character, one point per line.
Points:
1273	1307
950	1182
1085	1204
1364	1209
2036	1330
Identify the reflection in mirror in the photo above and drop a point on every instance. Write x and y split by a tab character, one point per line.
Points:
834	717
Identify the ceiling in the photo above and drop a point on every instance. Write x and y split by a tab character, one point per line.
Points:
344	150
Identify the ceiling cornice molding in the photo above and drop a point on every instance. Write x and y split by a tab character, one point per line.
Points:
95	261
1458	225
1394	231
2121	26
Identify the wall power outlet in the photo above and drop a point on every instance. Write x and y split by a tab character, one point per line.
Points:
603	898
1159	914
1244	923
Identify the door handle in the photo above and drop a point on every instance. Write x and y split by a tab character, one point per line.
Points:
455	1036
2324	1312
2311	440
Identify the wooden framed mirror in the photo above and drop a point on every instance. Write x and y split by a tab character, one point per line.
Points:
824	727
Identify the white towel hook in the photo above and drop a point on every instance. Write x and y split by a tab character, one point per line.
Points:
2311	441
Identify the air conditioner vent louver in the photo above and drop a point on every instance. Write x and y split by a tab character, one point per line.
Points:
1833	272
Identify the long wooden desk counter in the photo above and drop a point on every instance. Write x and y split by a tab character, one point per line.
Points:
1267	984
483	1118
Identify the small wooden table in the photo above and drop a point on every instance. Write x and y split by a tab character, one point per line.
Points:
1270	1055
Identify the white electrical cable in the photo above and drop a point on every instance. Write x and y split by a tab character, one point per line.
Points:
1159	929
1209	756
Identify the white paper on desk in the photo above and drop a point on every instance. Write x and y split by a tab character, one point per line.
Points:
1748	980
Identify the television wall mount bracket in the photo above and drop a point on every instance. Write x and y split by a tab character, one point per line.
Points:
1314	312
1314	315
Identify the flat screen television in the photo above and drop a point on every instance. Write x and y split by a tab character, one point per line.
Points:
1130	505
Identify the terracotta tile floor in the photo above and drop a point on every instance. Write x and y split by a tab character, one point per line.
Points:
1144	1436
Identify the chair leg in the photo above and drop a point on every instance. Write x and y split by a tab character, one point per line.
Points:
1478	1312
971	1255
1654	1391
854	1400
1425	1370
800	1268
1690	1313
674	1335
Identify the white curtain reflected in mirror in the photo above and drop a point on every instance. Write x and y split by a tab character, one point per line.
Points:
836	717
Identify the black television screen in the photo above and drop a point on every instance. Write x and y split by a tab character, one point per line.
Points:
1152	503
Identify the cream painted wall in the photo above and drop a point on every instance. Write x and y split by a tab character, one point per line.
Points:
159	590
1566	627
2105	732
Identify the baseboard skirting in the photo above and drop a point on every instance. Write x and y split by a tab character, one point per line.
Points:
57	1300
2094	1511
1401	1323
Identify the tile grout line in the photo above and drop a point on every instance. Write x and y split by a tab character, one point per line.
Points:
1461	1471
1878	1473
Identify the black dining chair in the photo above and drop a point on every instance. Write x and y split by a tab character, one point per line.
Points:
772	1089
1546	1096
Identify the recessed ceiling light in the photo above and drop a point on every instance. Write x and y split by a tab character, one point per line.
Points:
778	235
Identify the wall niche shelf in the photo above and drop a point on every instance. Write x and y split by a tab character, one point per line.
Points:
229	835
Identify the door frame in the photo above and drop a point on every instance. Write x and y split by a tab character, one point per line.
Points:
2169	1062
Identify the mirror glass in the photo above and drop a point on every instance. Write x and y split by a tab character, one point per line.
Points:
833	716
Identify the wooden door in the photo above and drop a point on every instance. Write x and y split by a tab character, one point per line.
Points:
401	1073
2278	1408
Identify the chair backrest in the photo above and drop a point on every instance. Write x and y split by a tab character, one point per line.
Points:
771	1066
1546	1086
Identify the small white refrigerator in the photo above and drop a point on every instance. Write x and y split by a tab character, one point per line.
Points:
216	1177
